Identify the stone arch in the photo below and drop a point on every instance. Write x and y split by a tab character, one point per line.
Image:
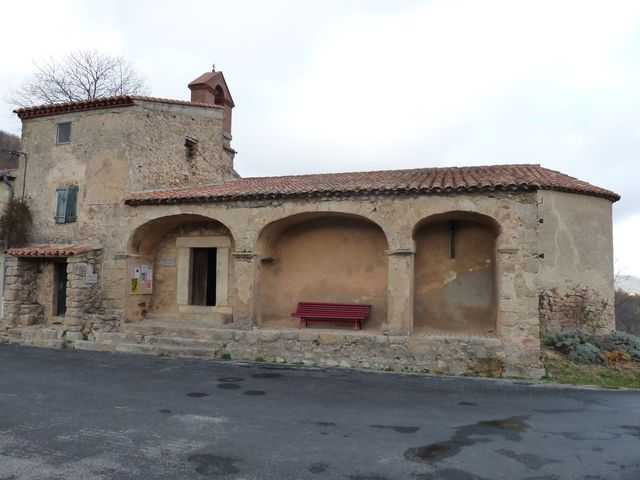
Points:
455	274
185	253
321	256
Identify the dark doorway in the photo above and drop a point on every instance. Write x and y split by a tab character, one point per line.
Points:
60	274
203	276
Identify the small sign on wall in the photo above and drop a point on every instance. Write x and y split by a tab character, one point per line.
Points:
141	280
90	278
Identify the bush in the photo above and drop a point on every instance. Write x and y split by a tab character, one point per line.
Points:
567	341
15	224
583	348
616	356
630	344
587	353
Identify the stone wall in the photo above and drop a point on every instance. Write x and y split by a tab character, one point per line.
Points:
517	318
20	296
574	308
84	298
157	156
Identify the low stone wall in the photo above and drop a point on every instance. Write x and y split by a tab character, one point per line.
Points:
20	305
417	353
574	308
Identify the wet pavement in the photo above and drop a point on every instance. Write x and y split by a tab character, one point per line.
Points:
88	415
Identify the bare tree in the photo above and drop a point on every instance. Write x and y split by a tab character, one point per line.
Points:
81	75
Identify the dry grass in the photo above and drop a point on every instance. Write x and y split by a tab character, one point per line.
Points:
615	375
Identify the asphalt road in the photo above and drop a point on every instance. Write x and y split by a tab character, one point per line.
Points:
85	415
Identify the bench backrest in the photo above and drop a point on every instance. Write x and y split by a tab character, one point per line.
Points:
355	310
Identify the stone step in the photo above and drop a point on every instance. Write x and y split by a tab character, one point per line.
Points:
118	337
94	346
184	351
175	341
137	348
151	329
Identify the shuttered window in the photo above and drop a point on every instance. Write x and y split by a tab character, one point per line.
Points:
66	204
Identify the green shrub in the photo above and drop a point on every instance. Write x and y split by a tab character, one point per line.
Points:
583	348
577	345
567	341
587	353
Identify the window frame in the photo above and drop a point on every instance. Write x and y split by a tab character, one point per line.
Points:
58	125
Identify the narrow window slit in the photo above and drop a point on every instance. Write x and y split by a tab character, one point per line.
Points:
452	232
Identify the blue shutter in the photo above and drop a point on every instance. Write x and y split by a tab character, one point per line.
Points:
61	205
72	201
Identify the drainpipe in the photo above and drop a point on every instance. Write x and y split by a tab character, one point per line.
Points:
5	180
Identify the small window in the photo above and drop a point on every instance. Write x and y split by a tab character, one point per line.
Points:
66	204
191	145
64	133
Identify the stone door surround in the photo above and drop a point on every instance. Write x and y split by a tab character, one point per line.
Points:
184	246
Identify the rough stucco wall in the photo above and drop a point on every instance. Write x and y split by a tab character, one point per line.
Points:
112	152
325	260
576	273
94	160
158	158
163	299
455	295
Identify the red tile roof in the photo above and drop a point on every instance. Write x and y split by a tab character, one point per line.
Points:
385	182
49	251
99	103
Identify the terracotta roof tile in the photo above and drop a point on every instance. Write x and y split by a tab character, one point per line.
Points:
386	182
99	103
49	251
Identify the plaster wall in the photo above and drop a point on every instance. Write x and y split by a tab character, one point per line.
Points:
95	161
330	259
576	268
455	294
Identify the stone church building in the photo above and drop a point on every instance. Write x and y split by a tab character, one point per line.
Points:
145	239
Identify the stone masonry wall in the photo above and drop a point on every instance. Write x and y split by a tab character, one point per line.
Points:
83	296
20	295
158	157
574	308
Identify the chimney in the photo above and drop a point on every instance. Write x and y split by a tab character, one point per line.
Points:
211	88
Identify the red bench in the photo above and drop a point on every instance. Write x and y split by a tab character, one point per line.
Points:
332	312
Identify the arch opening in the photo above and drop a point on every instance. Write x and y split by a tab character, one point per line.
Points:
321	257
179	269
455	288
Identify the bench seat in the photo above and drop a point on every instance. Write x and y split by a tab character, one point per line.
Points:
332	312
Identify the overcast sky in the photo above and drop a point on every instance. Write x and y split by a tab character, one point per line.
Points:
324	86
